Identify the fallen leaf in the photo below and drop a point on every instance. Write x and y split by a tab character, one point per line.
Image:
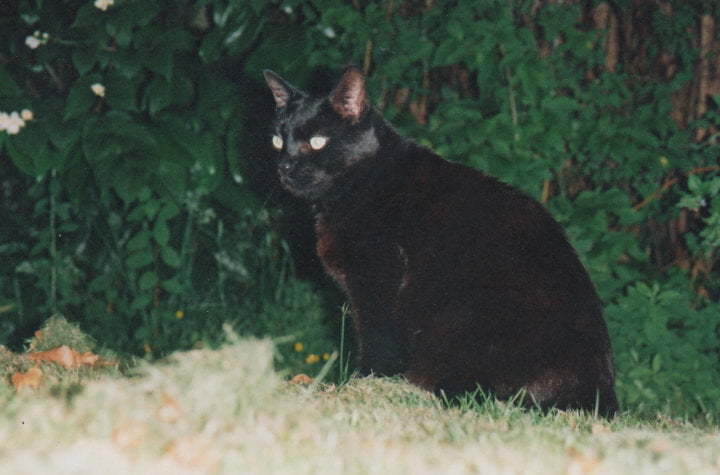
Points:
659	445
600	429
129	435
193	452
62	355
87	358
301	378
69	358
29	379
170	409
581	464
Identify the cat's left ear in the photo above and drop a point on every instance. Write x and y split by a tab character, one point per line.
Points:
282	91
348	98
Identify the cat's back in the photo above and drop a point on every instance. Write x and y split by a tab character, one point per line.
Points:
449	194
465	226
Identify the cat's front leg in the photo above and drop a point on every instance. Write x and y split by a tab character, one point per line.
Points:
370	270
382	352
373	289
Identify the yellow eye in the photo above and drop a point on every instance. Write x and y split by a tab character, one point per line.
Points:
277	142
318	142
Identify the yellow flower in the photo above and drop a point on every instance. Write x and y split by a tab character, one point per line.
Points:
298	347
312	358
326	356
664	161
179	314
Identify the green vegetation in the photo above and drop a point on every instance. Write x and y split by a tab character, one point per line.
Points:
135	175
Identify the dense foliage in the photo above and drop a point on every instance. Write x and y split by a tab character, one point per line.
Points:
135	186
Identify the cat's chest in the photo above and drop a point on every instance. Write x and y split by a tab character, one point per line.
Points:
330	251
352	250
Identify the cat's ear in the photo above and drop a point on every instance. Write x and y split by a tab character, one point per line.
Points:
282	91
348	98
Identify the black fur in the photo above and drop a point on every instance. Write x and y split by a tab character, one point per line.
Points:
455	279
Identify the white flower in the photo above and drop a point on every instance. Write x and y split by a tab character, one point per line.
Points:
32	42
104	4
11	123
27	115
98	89
329	32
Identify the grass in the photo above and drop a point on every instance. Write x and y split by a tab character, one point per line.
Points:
228	411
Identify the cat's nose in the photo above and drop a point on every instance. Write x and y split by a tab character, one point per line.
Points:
286	166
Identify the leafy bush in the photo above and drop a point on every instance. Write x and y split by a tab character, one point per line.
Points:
132	212
136	202
664	351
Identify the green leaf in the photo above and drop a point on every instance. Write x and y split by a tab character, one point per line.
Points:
127	180
656	363
97	145
83	59
87	15
173	286
160	61
120	93
449	52
137	14
63	135
139	259
100	283
80	99
161	232
141	301
18	156
138	214
139	241
30	151
695	184
8	86
145	194
127	63
151	208
211	46
169	211
158	95
148	280
170	257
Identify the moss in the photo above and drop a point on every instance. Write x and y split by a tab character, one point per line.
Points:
57	331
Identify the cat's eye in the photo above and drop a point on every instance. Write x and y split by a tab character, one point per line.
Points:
318	142
277	142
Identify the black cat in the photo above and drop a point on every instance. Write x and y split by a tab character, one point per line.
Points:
455	279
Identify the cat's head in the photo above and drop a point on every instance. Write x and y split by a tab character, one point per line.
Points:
319	139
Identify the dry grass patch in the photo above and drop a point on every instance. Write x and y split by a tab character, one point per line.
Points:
228	411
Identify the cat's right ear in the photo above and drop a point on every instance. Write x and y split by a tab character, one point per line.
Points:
282	91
